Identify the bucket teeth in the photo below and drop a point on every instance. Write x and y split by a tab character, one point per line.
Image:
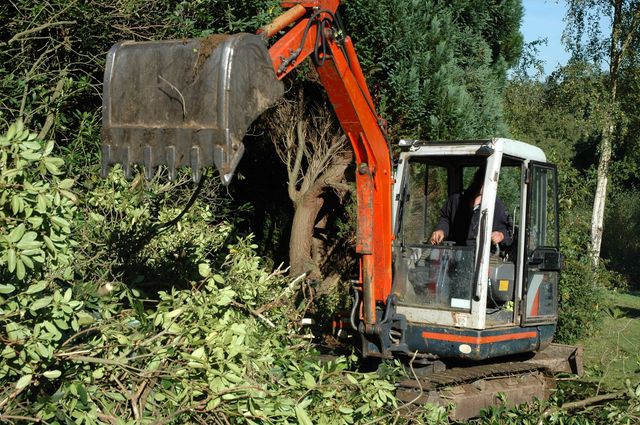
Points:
171	161
126	162
196	172
148	162
106	160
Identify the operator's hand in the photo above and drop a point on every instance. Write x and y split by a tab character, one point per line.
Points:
496	237
437	237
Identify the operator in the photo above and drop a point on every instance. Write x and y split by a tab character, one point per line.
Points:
460	217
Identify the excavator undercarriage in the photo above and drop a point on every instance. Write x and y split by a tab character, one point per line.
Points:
469	389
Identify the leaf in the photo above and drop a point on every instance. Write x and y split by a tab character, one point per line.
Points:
351	379
17	233
48	148
204	269
16	204
20	270
6	288
309	380
65	184
69	195
303	417
49	244
26	260
198	353
40	303
11	132
23	382
59	221
33	289
52	374
11	259
51	167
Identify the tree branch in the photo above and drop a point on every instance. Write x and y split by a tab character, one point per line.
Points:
579	404
293	176
39	28
632	30
48	123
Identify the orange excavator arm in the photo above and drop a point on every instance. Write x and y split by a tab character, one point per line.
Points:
316	32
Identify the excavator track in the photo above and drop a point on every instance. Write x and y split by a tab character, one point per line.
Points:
468	390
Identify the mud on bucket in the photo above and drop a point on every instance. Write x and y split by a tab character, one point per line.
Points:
184	102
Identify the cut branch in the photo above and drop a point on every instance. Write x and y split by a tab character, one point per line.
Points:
39	28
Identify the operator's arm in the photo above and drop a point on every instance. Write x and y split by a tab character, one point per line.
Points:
443	228
500	232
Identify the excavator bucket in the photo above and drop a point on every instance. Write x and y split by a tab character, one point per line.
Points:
184	102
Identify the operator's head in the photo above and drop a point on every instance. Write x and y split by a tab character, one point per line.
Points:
475	187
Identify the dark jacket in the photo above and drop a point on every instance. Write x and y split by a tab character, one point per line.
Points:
460	222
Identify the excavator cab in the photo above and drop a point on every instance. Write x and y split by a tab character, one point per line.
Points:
472	298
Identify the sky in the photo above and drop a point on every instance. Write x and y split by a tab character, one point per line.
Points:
544	19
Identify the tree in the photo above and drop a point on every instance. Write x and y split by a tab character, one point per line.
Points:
316	155
616	46
438	68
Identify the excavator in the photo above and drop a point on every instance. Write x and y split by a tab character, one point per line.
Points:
478	319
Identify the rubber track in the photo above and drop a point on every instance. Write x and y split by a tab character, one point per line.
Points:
466	375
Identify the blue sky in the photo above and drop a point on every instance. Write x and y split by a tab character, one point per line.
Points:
544	19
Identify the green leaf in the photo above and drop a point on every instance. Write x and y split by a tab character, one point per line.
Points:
198	353
346	410
31	156
11	260
11	132
65	184
69	195
16	204
6	288
41	303
51	166
33	289
27	261
59	221
20	270
204	270
48	148
49	243
303	417
23	382
309	380
17	233
52	374
352	379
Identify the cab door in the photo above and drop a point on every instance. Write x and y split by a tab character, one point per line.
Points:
543	259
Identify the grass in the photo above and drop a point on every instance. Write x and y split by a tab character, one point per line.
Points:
612	355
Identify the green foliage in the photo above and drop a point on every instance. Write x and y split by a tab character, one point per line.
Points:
36	208
81	347
438	68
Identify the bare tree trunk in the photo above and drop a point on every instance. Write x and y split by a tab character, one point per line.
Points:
597	218
301	240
